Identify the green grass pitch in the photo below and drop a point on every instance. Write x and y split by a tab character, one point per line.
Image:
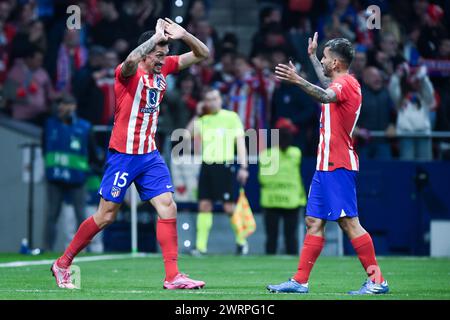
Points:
227	277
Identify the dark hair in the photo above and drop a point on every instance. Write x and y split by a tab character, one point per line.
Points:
265	12
342	48
241	56
31	50
231	38
66	98
147	35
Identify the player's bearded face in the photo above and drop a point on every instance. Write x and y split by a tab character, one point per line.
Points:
155	60
327	69
327	63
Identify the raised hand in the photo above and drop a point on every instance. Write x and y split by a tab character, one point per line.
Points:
286	72
312	44
160	29
174	30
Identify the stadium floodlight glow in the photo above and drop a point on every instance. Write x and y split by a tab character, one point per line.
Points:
185	226
187	243
179	3
178	19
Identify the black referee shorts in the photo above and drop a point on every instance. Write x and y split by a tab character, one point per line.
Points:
216	182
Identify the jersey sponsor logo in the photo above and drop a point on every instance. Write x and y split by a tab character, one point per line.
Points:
115	192
152	101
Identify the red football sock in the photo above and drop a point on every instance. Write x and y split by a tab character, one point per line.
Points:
366	253
87	230
312	246
166	233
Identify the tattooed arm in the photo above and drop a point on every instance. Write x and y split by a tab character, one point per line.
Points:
131	63
289	73
324	80
312	48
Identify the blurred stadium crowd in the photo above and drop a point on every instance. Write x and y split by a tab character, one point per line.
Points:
404	68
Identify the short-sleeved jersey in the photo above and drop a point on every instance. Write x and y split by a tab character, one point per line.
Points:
337	122
138	98
219	132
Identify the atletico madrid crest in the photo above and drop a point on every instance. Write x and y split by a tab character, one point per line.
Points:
115	192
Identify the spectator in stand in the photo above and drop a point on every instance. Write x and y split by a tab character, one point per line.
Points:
147	12
28	89
206	33
223	71
364	35
57	28
442	87
72	56
173	114
6	9
359	62
410	45
229	43
33	34
189	89
274	37
432	28
298	36
247	94
202	29
377	112
7	33
89	14
341	21
413	96
37	35
115	30
388	56
104	79
391	26
196	11
23	14
292	103
269	16
90	99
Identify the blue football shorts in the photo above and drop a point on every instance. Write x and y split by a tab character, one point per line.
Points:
332	195
148	171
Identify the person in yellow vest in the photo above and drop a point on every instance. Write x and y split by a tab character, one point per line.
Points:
282	191
219	131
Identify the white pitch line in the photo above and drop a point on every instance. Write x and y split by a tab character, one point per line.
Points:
215	292
16	264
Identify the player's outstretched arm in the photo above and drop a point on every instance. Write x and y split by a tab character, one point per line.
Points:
131	63
289	73
312	49
199	50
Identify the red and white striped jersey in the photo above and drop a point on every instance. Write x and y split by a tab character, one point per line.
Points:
250	99
137	108
337	122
